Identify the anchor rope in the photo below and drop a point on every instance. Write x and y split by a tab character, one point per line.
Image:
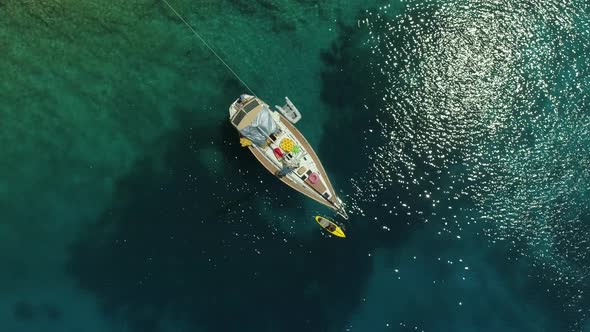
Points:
208	46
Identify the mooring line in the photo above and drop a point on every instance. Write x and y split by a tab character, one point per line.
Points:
209	47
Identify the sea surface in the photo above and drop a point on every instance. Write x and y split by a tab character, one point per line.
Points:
457	132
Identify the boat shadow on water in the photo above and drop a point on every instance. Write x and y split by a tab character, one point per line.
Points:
169	248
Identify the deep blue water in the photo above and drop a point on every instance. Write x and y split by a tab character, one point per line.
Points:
457	132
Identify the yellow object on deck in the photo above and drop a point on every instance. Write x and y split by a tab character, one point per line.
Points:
287	144
245	142
330	226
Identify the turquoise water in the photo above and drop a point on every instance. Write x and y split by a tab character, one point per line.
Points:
456	131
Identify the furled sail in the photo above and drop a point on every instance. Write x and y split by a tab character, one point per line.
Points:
261	127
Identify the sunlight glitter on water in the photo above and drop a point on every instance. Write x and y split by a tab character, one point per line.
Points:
484	111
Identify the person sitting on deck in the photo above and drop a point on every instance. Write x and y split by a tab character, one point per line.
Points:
288	167
285	170
242	100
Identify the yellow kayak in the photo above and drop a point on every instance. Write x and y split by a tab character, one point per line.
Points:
330	226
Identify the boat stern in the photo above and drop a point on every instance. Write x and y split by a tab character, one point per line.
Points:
238	104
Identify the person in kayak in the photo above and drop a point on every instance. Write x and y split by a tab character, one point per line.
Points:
330	227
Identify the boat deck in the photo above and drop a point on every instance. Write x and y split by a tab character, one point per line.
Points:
318	188
306	161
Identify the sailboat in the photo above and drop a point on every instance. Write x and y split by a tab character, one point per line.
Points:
280	147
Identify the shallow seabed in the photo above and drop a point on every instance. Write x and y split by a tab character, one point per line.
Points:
457	131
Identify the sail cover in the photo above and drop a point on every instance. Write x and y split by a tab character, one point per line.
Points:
262	126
